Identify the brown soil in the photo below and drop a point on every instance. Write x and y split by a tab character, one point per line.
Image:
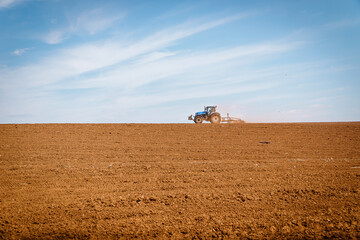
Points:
180	181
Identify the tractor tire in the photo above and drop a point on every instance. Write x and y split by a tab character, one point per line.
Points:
215	118
198	120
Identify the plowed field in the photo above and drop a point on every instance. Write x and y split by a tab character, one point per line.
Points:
180	181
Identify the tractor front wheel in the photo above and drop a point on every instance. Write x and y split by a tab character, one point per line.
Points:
198	119
215	119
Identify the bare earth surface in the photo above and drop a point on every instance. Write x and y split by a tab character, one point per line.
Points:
180	181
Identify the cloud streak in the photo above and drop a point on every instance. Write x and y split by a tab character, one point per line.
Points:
90	22
19	52
9	3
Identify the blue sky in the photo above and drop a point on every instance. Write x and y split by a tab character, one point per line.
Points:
160	61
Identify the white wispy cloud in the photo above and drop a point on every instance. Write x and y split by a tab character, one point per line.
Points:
94	21
56	36
21	51
9	3
90	22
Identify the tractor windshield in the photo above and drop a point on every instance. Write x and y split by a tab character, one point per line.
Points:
210	109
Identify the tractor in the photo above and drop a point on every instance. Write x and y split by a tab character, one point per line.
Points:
209	114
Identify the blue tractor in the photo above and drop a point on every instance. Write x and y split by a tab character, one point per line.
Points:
209	114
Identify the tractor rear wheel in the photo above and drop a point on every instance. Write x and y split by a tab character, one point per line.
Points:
198	119
215	118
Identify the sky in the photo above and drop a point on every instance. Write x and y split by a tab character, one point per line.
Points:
136	61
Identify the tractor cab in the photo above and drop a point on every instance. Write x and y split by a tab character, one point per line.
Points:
210	109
